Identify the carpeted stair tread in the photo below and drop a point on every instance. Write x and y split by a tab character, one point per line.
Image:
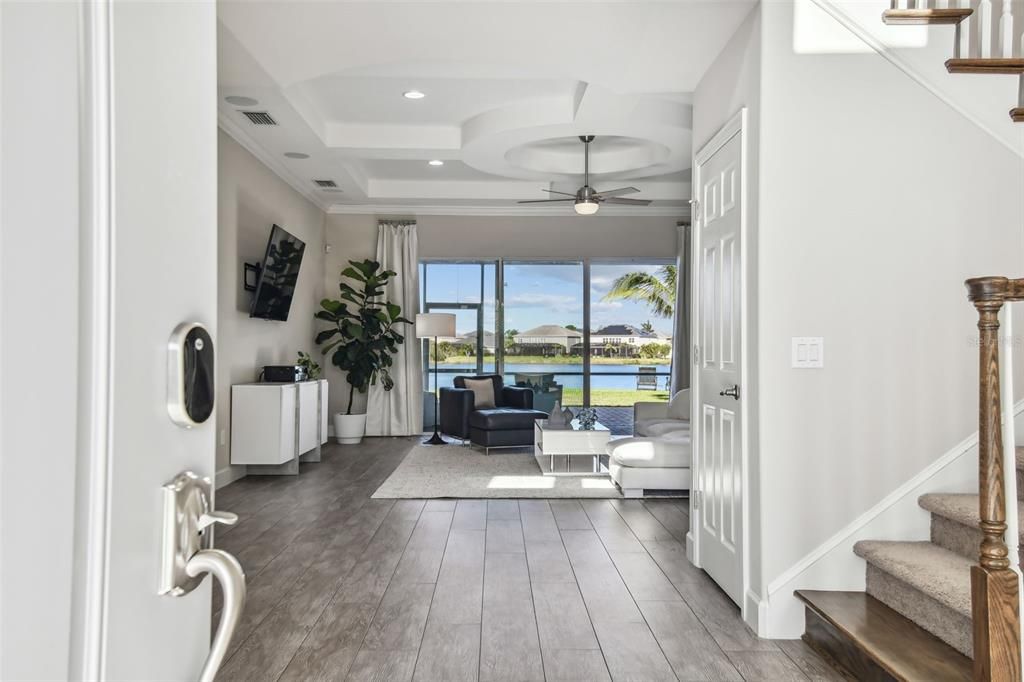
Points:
962	508
928	568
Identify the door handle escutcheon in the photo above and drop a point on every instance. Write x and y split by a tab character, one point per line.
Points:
226	569
733	392
189	555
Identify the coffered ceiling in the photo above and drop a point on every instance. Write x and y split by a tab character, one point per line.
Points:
508	88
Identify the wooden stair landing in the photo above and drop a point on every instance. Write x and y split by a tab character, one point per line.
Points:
907	17
873	642
1013	65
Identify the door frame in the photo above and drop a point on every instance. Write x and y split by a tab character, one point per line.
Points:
736	125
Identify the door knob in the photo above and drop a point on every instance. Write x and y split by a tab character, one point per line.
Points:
733	392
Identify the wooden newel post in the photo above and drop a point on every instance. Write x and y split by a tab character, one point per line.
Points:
994	591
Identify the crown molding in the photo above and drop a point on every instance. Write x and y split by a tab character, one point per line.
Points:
238	134
678	212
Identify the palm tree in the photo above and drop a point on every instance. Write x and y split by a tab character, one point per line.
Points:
647	327
658	290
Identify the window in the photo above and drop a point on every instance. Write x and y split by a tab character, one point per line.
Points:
537	324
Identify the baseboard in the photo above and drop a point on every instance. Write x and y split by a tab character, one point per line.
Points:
228	474
832	565
755	612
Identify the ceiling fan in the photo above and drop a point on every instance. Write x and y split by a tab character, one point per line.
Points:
587	200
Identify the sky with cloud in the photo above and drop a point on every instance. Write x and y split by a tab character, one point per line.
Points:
538	293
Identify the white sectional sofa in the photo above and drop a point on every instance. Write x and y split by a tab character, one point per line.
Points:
658	456
657	419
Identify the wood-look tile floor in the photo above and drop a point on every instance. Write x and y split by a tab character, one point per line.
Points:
345	587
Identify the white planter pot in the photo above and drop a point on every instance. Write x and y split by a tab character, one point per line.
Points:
349	428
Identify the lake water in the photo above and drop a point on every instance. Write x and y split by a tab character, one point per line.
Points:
625	382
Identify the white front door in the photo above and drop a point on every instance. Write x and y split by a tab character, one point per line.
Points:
138	209
718	415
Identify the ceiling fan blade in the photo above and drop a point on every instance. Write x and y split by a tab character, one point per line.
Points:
630	202
542	201
552	191
618	192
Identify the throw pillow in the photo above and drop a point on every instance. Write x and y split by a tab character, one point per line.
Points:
679	406
483	393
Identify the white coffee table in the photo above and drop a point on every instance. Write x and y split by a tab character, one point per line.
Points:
573	445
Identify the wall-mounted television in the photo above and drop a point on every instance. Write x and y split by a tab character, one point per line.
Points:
278	274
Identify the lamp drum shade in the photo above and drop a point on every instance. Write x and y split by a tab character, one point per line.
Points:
429	325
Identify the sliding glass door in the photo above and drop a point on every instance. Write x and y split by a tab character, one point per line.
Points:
585	333
544	341
631	306
467	290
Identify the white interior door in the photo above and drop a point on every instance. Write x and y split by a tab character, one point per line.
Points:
116	114
718	410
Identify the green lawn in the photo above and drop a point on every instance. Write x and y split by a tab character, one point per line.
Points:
610	397
557	360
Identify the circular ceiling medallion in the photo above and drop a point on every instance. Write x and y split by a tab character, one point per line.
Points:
239	101
296	155
608	154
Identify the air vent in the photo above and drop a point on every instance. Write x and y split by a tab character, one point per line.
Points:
326	183
260	118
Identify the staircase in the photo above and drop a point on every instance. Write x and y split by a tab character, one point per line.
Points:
946	608
988	39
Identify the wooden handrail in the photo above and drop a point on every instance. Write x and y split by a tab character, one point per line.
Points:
994	587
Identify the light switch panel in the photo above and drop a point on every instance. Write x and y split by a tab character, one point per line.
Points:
808	352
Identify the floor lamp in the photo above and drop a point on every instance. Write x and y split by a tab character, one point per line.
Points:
434	325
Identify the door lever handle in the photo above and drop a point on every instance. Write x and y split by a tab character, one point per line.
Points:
733	392
211	517
189	555
226	569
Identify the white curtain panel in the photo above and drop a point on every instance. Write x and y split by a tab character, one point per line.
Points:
399	412
681	317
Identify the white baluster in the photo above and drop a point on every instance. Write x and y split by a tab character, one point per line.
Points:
941	4
962	47
1006	29
984	14
900	4
921	4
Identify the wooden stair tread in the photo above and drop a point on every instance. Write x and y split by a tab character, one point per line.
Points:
992	65
896	644
1017	116
904	17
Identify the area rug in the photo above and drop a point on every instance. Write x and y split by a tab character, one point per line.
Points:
433	471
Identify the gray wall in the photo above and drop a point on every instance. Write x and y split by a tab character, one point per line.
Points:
252	199
877	201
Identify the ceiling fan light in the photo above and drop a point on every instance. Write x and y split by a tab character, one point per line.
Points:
586	206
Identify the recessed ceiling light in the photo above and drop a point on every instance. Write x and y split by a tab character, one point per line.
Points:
296	155
241	101
413	94
436	162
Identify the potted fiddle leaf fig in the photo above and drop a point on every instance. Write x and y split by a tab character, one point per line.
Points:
363	338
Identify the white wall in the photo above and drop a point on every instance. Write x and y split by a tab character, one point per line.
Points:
251	199
877	201
38	334
732	83
354	237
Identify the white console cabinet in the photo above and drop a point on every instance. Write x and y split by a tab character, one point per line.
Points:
274	425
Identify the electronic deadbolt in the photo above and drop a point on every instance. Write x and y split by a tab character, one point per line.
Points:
190	378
